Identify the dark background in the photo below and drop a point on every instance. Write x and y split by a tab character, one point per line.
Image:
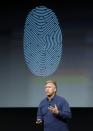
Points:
23	119
76	19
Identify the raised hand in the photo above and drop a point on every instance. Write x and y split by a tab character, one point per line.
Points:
53	109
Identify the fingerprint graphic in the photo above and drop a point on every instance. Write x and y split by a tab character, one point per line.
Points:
42	41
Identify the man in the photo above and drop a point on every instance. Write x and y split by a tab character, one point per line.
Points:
54	110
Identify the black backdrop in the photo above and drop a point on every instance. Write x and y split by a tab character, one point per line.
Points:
23	119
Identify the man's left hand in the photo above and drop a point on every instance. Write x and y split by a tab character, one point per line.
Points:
53	109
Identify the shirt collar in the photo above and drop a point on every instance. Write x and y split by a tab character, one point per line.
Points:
51	98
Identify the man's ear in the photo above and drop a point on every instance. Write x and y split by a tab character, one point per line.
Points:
55	89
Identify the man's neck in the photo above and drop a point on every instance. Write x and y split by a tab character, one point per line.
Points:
50	97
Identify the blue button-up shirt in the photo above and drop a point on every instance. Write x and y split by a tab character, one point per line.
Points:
54	122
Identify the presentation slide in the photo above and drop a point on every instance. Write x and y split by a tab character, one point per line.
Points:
44	40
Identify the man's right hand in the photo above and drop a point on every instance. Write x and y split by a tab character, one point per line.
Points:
39	121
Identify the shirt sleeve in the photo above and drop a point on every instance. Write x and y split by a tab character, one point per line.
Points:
64	110
39	112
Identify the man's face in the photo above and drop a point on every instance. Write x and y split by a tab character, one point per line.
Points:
50	89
